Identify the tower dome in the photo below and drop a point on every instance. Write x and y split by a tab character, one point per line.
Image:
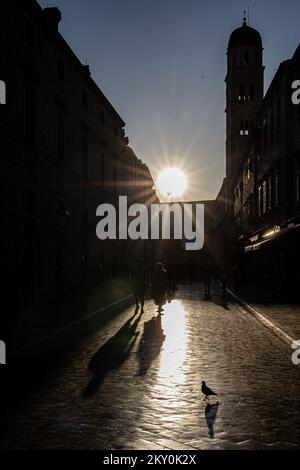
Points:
245	36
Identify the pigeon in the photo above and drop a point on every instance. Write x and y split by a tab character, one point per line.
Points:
206	391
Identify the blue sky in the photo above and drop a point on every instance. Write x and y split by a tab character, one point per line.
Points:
162	64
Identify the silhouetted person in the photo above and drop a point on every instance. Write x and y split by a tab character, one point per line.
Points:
159	286
139	282
207	273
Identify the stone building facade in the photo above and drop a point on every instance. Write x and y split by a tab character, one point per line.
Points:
63	152
267	199
260	221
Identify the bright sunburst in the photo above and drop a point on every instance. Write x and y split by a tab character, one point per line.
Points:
171	182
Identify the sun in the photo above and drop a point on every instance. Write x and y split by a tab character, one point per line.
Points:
171	182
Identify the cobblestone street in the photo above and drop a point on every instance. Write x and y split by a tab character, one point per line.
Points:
136	384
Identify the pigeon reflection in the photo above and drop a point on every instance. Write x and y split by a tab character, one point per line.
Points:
210	416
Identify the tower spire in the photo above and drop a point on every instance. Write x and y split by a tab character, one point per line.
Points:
245	19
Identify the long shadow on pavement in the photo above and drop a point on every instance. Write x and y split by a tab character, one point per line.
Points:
150	344
112	354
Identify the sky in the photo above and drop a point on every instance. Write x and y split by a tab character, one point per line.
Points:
162	65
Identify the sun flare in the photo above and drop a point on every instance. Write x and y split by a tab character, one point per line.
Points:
171	182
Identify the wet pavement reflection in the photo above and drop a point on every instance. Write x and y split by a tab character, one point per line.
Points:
171	370
136	384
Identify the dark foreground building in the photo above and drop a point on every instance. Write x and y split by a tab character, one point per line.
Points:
258	207
267	196
63	152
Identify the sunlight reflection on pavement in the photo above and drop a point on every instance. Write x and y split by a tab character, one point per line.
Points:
136	384
171	372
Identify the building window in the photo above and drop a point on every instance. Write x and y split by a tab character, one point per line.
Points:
85	99
85	156
260	201
244	128
246	57
270	192
251	92
29	113
250	207
60	138
298	183
30	35
60	71
264	207
242	94
250	168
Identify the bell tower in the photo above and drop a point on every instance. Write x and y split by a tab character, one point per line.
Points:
244	93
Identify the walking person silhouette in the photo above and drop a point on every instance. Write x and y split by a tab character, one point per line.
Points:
139	282
159	286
